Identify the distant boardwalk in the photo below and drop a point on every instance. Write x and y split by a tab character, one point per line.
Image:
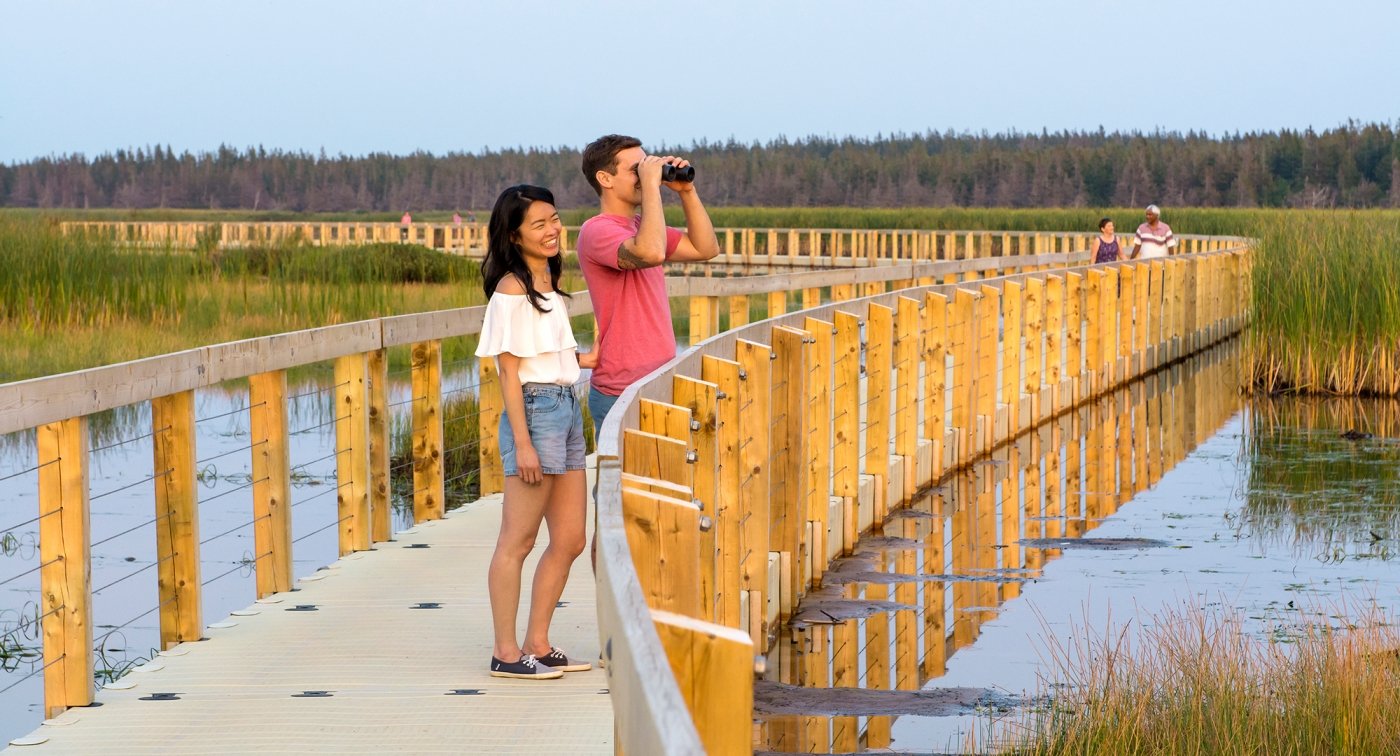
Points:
400	679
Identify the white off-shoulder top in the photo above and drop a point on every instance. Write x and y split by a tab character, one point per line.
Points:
544	341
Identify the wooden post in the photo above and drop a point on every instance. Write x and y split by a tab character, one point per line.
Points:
1033	325
961	332
819	413
272	493
935	375
1054	316
988	320
381	526
724	375
428	479
811	297
738	311
879	335
700	399
489	408
777	303
663	537
789	483
352	451
704	318
1011	355
845	670
177	518
1093	317
845	450
713	666
755	382
65	571
1074	333
906	411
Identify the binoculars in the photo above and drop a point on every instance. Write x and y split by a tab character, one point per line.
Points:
672	173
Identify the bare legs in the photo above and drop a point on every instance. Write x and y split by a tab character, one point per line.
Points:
559	502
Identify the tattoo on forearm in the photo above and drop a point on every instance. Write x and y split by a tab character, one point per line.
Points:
629	260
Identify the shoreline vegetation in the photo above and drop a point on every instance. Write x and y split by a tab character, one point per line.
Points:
1326	288
1320	679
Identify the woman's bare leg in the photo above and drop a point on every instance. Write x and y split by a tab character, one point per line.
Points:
566	515
522	510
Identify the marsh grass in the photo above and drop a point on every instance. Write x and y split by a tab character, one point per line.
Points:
73	302
1326	305
1201	682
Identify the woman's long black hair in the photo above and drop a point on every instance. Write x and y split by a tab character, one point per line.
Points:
503	255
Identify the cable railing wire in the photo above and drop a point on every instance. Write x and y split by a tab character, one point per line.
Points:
238	411
126	441
30	571
235	529
131	575
147	479
28	470
115	536
221	455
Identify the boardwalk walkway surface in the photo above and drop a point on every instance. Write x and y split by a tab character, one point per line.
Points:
391	669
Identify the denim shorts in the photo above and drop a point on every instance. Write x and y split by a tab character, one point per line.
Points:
555	420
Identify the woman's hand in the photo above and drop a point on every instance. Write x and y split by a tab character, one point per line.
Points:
527	464
588	360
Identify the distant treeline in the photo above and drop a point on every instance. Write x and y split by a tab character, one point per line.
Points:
1351	166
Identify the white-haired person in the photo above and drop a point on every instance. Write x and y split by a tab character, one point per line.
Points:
1153	238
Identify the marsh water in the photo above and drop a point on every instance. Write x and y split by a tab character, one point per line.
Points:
1176	490
1176	493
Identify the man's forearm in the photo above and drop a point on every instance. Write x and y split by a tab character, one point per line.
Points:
698	227
651	235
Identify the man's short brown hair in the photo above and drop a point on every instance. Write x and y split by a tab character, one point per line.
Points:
601	155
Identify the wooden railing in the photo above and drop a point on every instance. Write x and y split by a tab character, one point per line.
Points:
774	247
732	475
731	582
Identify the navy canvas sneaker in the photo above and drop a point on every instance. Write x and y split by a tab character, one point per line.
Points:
528	668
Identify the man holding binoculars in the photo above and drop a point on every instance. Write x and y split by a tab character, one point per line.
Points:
621	251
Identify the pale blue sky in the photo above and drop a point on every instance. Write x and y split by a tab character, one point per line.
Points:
358	77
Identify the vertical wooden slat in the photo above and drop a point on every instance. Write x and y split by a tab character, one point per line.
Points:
272	493
380	515
177	518
988	322
754	417
1011	354
935	374
713	666
789	484
879	336
700	399
352	451
724	374
65	572
960	332
428	479
1033	327
1054	315
906	414
819	411
1074	332
488	417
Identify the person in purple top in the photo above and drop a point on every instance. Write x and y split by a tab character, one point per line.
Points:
1105	248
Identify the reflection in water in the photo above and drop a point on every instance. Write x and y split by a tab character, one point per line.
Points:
1323	476
962	549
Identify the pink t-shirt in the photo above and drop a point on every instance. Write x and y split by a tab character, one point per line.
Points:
634	315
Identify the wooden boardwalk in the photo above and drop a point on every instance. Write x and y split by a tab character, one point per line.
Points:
400	679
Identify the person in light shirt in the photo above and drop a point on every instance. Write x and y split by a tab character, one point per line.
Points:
1154	238
526	329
